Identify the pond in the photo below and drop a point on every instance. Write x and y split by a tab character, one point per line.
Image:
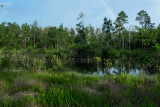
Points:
23	62
130	66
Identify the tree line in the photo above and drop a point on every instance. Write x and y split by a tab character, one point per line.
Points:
84	41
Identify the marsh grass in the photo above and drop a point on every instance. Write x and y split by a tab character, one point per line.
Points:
75	89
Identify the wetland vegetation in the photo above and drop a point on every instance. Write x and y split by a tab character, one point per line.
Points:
58	66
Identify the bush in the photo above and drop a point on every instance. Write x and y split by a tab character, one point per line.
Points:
5	62
57	62
38	65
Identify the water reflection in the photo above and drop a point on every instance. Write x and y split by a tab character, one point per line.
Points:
132	66
23	62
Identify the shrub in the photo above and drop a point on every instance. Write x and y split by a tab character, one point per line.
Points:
57	62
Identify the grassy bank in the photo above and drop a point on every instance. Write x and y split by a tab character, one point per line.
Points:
74	89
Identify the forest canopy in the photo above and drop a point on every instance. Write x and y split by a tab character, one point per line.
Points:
82	41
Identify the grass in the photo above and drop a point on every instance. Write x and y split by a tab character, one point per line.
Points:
75	89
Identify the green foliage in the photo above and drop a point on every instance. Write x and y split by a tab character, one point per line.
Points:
81	37
5	61
71	88
57	62
107	26
98	59
38	65
74	89
13	103
114	54
61	97
157	46
107	63
144	19
126	53
84	41
26	32
120	21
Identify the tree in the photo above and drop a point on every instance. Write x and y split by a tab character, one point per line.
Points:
92	36
62	37
81	36
52	33
13	32
121	20
144	19
35	29
44	38
99	36
3	33
72	36
107	26
158	34
107	29
26	33
131	30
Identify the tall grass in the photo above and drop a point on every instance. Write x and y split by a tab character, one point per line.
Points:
75	89
54	88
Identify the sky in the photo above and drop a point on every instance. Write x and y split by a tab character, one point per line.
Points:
56	12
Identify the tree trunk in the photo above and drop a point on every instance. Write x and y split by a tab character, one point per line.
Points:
34	41
129	41
158	62
142	44
25	42
107	44
122	44
52	46
57	44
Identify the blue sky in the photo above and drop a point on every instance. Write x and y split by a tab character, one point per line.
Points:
56	12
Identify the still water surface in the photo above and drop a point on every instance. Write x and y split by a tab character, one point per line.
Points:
23	62
133	67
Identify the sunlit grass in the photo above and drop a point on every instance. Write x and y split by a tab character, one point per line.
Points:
75	89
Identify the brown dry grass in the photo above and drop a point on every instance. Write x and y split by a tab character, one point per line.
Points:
90	91
20	82
20	95
115	88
